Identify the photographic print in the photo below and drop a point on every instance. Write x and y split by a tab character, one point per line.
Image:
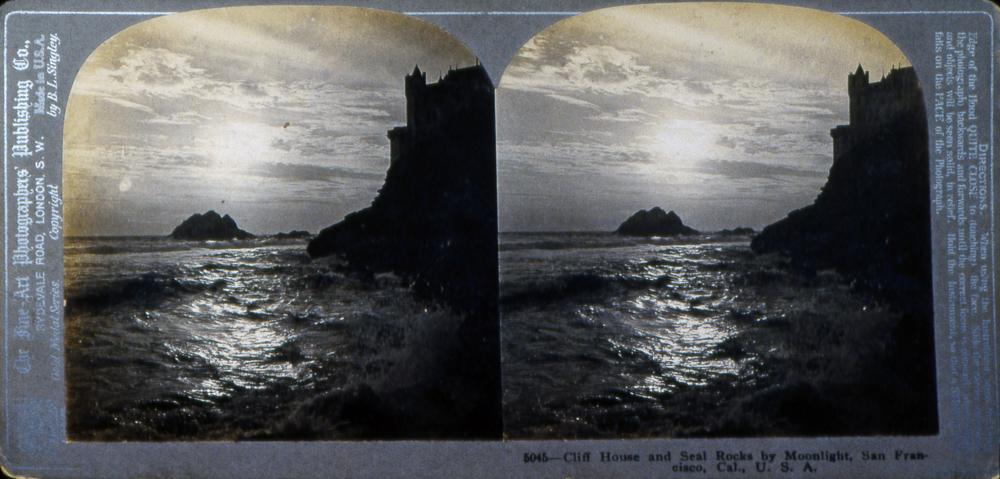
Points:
714	223
281	224
499	239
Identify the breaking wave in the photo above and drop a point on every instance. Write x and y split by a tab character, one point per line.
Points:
573	285
146	289
259	342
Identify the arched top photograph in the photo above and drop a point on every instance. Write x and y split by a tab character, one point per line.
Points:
723	213
281	225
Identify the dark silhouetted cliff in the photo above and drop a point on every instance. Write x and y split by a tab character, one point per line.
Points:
434	222
654	222
209	226
871	221
434	219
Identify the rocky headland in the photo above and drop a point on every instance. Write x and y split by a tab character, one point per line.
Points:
654	222
871	221
434	219
871	224
434	224
209	226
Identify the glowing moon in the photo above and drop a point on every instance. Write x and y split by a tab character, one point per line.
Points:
685	140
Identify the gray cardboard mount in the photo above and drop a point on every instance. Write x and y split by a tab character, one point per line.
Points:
32	432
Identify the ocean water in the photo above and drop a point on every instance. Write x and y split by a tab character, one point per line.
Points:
225	340
602	336
608	336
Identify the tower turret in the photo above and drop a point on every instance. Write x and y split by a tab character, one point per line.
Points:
856	84
416	82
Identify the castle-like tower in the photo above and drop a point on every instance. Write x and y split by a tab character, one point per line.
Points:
434	218
873	104
432	107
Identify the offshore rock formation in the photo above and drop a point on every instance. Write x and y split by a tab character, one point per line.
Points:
871	223
738	231
654	222
293	234
434	223
209	226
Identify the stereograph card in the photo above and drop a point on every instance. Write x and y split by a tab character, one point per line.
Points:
432	238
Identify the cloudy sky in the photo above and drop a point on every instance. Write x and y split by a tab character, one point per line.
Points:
719	112
275	115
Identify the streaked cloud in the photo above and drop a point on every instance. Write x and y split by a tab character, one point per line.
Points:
307	172
753	169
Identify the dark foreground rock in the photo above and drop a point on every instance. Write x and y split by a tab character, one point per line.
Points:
654	222
434	223
209	226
